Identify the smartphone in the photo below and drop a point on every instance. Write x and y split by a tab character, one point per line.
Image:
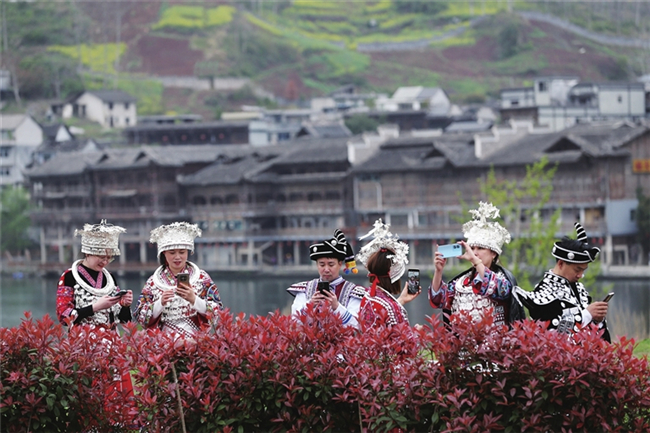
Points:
608	297
183	278
121	293
451	250
413	280
322	286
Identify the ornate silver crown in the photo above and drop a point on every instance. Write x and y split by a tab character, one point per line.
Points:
483	233
383	238
175	236
100	239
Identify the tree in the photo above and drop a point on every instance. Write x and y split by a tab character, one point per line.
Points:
643	221
420	7
528	254
359	123
14	219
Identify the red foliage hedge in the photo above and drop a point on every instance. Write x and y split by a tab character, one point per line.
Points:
276	374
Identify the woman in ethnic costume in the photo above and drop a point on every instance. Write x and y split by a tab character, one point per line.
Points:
86	291
486	285
385	257
172	305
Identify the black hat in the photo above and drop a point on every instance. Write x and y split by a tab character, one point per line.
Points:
575	250
336	248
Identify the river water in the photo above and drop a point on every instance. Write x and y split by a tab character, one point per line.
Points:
258	295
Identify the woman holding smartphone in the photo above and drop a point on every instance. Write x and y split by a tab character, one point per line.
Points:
179	297
484	286
385	257
87	293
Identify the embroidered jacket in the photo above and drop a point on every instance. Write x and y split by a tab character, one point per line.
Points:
553	295
78	288
178	315
348	294
473	294
381	308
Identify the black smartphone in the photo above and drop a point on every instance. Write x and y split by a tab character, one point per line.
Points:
121	293
413	280
608	297
322	286
183	278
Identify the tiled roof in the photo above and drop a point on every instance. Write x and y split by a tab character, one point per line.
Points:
187	126
112	95
125	158
9	122
65	164
458	150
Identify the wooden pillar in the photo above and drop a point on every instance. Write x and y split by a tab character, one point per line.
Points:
60	244
43	249
296	253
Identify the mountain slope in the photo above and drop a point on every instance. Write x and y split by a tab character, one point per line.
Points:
299	49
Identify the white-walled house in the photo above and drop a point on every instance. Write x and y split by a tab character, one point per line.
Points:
561	102
20	135
432	99
110	108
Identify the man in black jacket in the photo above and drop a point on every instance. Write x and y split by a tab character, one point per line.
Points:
560	298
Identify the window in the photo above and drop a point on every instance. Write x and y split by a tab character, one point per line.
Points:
110	105
5	171
514	102
126	105
633	215
4	151
541	86
127	121
620	99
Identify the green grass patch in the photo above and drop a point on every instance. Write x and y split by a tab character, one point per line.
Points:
642	348
316	4
380	6
97	57
462	88
397	21
323	88
527	62
264	25
194	17
465	8
147	92
341	62
466	39
537	33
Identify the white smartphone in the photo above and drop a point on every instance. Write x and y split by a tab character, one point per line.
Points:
451	250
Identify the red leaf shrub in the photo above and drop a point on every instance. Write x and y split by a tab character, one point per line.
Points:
53	380
274	373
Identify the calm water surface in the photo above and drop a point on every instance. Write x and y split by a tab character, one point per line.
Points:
257	295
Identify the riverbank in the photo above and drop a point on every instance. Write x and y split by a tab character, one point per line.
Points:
22	269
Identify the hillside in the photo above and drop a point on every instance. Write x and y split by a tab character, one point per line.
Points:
299	49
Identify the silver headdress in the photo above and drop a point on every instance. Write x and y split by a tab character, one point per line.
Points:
383	238
100	239
175	236
483	233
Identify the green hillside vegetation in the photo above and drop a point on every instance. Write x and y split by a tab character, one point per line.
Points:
193	17
302	48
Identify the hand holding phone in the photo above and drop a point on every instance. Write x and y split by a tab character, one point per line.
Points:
183	277
323	286
451	250
120	293
413	280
